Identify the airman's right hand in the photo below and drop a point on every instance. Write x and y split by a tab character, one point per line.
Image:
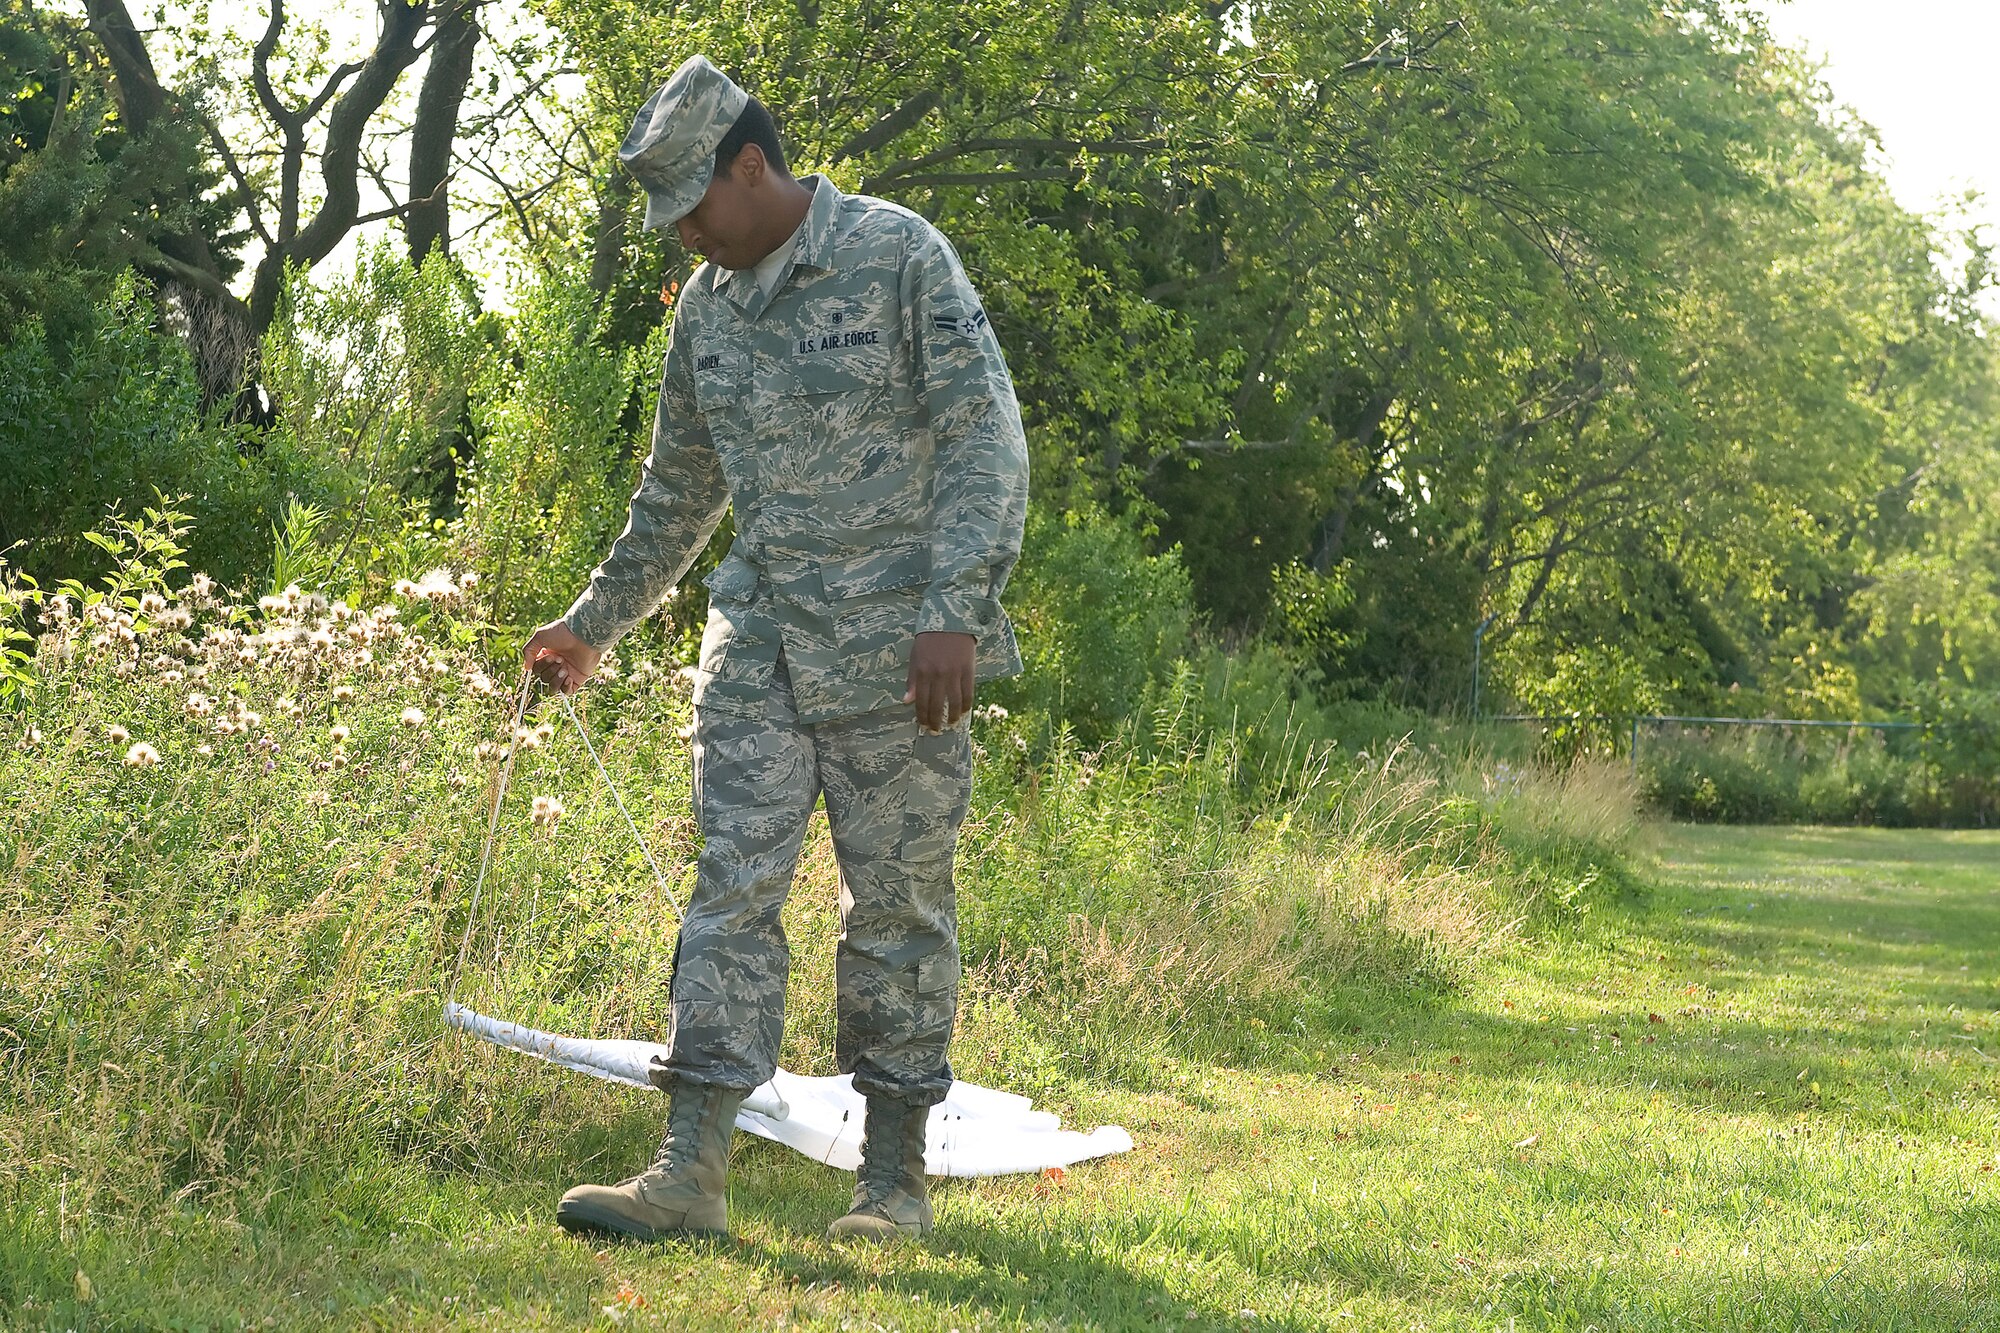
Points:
559	658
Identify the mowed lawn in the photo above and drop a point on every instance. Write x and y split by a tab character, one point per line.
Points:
1759	1093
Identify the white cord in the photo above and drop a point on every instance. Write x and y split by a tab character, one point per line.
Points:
612	787
493	821
492	828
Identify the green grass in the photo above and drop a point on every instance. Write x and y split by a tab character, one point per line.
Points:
1757	1092
1405	1039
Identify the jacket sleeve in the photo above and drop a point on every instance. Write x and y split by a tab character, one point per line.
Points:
980	485
680	499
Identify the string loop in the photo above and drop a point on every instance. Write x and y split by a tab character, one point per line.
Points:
493	821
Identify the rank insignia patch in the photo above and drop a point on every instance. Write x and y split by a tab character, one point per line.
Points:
967	327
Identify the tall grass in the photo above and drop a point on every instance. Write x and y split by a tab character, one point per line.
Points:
1775	776
241	840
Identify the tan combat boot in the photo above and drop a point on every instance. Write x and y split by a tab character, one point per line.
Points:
889	1196
683	1194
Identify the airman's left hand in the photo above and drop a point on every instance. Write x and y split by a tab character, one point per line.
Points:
941	678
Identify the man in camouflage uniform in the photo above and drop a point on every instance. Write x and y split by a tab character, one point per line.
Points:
832	376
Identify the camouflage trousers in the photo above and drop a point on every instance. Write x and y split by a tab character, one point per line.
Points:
894	800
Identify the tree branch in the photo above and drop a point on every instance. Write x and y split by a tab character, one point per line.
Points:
1233	446
1381	58
242	181
402	209
937	180
333	81
188	275
260	73
888	126
340	155
140	96
901	172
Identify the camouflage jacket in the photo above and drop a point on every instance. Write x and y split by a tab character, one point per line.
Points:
862	422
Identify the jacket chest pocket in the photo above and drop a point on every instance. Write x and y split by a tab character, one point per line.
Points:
837	412
836	372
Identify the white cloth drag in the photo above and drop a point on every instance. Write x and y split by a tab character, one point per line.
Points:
975	1131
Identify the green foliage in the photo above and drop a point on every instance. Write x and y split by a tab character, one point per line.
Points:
1310	613
1239	515
296	554
145	552
1964	732
113	419
1932	779
1055	143
81	196
17	674
548	487
1099	620
371	373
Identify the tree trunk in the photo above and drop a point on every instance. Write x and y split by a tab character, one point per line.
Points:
429	220
216	325
1331	539
607	246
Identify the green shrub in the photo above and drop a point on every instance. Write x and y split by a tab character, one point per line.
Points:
1099	620
114	418
551	480
370	372
1785	776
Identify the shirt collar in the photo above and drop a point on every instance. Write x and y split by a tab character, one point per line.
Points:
815	243
816	246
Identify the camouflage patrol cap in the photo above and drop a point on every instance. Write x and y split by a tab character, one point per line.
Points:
671	146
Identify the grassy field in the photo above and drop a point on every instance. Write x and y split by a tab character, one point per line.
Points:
1757	1092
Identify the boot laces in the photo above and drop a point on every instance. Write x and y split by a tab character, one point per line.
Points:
882	1144
683	1134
